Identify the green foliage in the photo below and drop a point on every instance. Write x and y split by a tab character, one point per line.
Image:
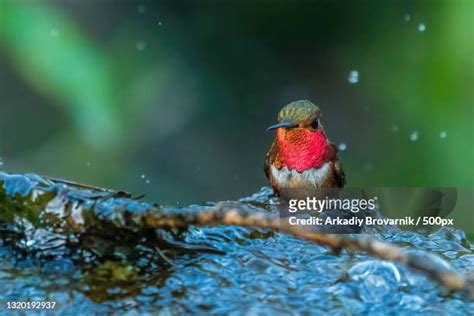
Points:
19	206
113	92
58	59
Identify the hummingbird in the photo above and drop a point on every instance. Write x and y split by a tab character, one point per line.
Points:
301	159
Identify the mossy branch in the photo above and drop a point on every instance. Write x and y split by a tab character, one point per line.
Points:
133	215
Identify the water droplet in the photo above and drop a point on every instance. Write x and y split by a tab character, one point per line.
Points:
54	32
147	181
1	163
159	23
143	176
342	146
421	27
141	9
407	17
395	128
141	45
443	134
414	136
88	164
353	77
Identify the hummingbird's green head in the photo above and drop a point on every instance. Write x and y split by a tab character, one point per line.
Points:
302	113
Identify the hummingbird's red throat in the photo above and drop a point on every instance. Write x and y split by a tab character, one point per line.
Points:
302	148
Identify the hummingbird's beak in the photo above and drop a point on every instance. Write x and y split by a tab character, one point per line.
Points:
282	124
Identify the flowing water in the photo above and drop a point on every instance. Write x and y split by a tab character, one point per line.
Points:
52	251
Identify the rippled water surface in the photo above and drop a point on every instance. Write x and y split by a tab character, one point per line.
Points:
51	251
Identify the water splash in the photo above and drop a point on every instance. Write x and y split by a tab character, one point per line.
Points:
141	46
54	32
414	136
141	9
375	279
353	77
421	27
147	181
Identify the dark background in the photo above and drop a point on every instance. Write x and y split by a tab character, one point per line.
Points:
172	98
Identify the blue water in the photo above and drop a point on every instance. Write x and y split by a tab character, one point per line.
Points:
218	270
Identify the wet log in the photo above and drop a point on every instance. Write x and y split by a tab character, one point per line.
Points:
84	206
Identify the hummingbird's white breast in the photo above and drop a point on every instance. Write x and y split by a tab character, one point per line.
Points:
290	178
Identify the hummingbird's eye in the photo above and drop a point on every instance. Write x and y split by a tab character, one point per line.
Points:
315	124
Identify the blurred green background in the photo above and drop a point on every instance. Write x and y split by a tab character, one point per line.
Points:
172	98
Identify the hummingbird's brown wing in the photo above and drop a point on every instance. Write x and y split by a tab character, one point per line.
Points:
272	158
339	176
